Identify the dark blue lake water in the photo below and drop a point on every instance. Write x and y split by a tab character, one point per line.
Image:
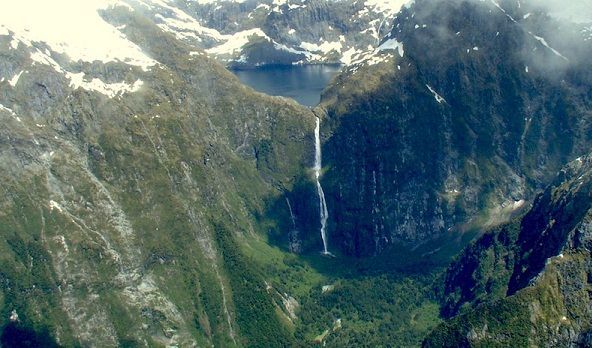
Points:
304	83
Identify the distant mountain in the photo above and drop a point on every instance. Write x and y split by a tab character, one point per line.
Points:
245	34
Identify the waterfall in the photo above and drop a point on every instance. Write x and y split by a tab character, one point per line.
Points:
322	203
291	213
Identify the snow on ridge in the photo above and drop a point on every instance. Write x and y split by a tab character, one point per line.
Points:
182	25
236	41
73	28
324	47
109	89
77	80
184	29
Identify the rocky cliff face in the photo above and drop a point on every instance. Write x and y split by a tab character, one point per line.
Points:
466	109
542	262
131	178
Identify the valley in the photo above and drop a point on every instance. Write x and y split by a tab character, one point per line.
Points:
295	173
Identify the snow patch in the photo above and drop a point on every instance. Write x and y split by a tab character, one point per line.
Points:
496	4
392	44
184	26
291	50
97	85
347	56
294	6
77	80
73	28
14	43
4	108
14	80
237	41
324	47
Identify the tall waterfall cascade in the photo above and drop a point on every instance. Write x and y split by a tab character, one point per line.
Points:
291	213
324	213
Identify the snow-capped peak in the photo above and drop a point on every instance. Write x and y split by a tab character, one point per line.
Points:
71	27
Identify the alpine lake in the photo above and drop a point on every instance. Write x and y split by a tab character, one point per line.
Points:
303	83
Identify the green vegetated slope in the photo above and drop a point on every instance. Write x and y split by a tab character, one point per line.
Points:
159	217
529	282
124	220
162	217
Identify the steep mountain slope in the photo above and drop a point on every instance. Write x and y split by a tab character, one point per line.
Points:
542	261
148	199
134	175
465	110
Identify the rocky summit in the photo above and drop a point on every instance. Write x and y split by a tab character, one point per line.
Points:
439	195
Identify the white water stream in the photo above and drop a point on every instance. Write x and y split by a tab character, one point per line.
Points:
322	203
291	213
